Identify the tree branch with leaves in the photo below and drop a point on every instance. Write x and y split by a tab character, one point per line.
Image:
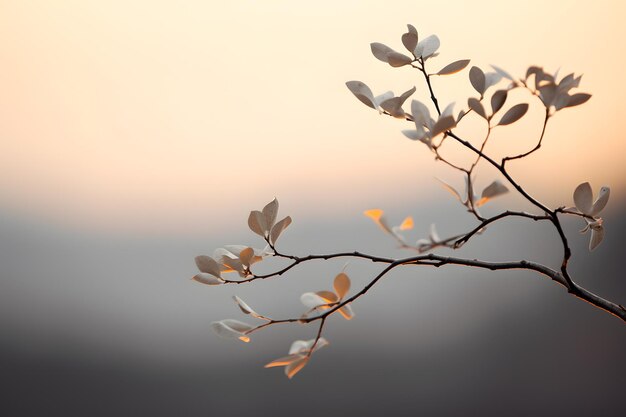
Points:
234	264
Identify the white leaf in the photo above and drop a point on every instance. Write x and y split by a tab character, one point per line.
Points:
413	134
341	285
427	47
448	110
256	222
278	229
597	234
208	265
231	329
245	308
420	113
396	59
304	346
207	279
270	211
443	125
583	198
383	97
600	203
380	51
312	300
363	93
433	235
409	39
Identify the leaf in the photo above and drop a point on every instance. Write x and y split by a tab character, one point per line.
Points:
394	105
450	189
347	312
363	93
443	125
583	197
420	113
578	99
278	229
491	79
208	265
246	256
494	189
600	203
270	211
497	100
407	224
231	329
256	222
245	308
477	78
502	73
513	114
341	284
454	67
433	235
409	39
328	296
380	51
296	366
477	106
427	47
396	59
234	265
284	361
312	300
448	110
208	279
597	235
379	219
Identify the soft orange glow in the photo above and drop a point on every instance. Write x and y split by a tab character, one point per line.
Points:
407	224
144	116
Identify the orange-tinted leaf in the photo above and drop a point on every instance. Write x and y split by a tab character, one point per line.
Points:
341	284
256	222
454	67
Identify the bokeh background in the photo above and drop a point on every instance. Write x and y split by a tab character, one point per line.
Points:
135	135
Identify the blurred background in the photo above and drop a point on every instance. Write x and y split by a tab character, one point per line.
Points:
135	135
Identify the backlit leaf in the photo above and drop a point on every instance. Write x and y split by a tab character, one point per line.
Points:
513	114
341	284
278	228
396	59
284	361
380	51
427	47
328	296
270	211
502	73
256	222
347	312
312	300
583	197
600	203
409	39
454	67
597	235
443	125
208	265
208	279
363	93
296	366
245	308
407	223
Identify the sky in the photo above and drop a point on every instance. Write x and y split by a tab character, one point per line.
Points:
137	134
165	118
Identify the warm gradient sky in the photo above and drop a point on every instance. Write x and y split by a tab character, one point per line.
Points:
166	117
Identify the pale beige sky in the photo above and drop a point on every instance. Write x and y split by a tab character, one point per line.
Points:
180	117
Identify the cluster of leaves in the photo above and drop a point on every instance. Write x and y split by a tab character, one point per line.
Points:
430	128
